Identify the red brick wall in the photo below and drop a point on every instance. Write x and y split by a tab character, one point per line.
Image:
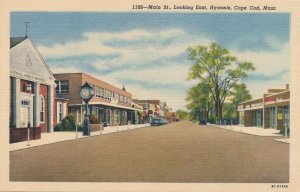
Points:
21	134
44	92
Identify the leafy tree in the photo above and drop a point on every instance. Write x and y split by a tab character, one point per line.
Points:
182	114
239	94
216	67
199	101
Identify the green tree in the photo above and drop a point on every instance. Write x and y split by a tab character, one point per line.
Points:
216	67
241	94
199	101
182	114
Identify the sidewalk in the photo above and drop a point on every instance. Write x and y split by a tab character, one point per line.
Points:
47	138
254	131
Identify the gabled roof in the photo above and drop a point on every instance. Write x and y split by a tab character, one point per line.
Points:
16	40
26	62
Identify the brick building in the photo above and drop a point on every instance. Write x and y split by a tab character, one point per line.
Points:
32	88
270	111
110	105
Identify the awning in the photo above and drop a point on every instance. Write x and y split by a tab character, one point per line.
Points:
141	113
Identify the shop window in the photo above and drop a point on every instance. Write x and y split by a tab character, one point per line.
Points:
107	116
42	109
62	87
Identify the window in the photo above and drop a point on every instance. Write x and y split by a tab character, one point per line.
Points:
105	94
99	92
25	102
62	87
116	97
42	109
109	95
60	112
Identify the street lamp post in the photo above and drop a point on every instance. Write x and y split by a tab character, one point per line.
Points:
86	93
86	122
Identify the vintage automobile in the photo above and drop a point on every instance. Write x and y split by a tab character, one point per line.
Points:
158	121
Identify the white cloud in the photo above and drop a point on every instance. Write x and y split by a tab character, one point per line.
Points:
267	62
137	47
158	74
270	64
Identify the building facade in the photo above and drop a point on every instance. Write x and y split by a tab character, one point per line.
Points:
270	111
33	101
154	108
110	105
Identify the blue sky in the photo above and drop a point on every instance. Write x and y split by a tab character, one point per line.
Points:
147	51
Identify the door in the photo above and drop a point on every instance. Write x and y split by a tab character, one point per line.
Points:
259	118
25	116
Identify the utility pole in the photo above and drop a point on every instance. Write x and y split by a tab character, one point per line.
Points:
26	26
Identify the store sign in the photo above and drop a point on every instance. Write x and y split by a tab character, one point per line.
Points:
280	100
279	116
270	100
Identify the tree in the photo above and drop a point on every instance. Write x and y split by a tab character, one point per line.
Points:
182	114
241	94
199	101
216	67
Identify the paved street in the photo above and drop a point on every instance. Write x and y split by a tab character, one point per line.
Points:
178	152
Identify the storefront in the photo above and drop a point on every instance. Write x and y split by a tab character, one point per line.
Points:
258	118
270	111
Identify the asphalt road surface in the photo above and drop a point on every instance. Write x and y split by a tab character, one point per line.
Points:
177	152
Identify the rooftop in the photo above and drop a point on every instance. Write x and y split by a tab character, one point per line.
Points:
16	40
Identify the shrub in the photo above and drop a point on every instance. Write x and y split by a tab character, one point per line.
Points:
67	124
93	119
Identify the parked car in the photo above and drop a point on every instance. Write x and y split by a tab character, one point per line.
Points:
202	122
155	122
163	121
158	121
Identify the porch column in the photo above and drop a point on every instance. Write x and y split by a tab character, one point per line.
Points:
136	117
50	107
275	118
36	105
16	103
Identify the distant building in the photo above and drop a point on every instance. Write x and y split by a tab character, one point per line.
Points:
154	108
110	105
270	111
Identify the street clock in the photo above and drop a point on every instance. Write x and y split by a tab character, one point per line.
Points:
86	92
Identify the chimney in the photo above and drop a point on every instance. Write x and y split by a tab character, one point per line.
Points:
287	86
